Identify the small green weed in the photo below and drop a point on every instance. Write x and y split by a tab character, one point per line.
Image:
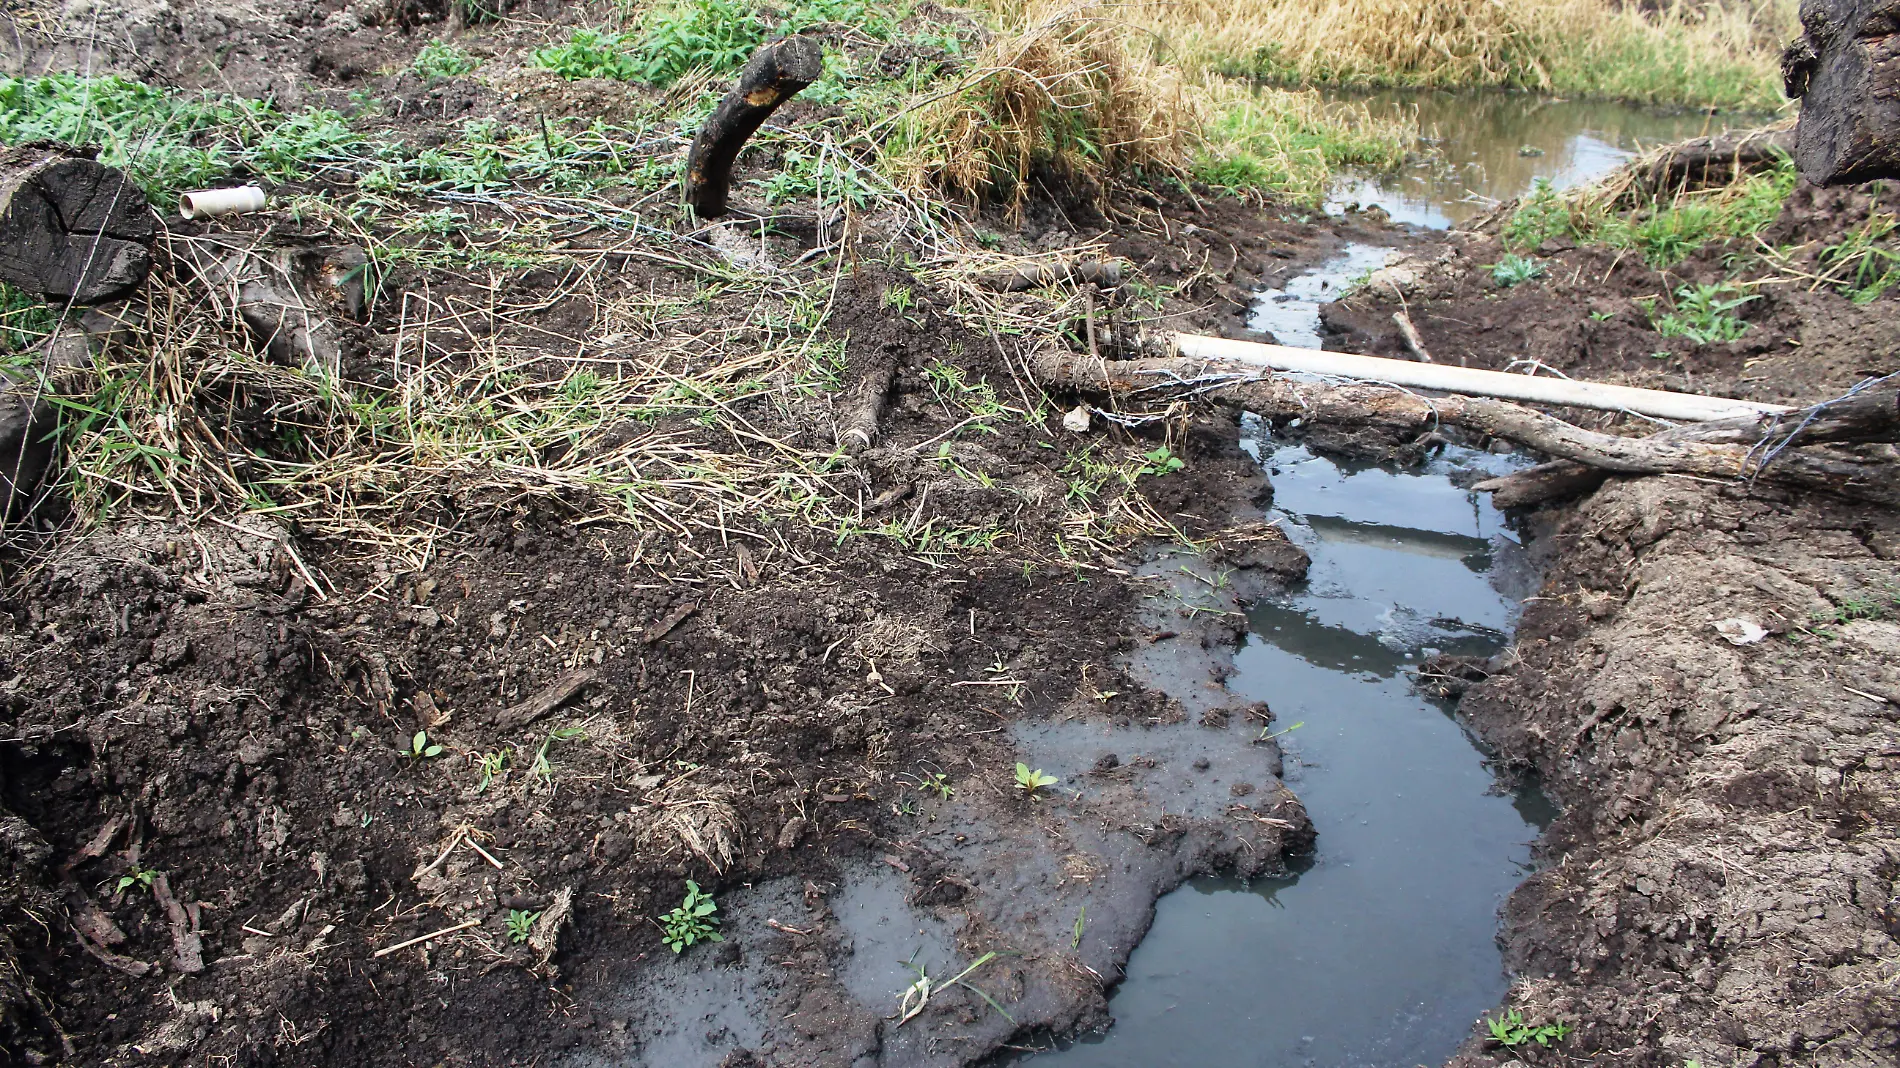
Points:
492	764
540	768
140	877
1702	315
1160	461
938	783
520	922
593	54
421	748
1081	924
1515	270
1031	781
1513	1032
916	996
440	59
693	921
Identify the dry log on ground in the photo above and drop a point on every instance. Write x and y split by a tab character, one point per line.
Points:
270	289
1845	70
1871	416
28	416
1104	273
71	230
1719	159
774	74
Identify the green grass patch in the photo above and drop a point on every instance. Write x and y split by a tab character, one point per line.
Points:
168	140
1664	230
1291	143
711	35
440	59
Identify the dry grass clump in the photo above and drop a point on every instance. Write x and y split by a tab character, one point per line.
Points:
1713	52
1061	86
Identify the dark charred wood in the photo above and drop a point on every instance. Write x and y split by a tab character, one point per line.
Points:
1845	69
774	74
71	229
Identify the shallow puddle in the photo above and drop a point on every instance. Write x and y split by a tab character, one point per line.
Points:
1382	950
1493	146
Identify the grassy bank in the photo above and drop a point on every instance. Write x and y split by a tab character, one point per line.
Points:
1718	53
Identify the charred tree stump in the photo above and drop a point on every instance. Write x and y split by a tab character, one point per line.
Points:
774	74
1845	70
71	229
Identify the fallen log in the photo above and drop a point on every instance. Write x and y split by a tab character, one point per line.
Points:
72	230
1035	275
1715	160
29	417
774	74
268	290
1659	404
1869	414
1845	70
1282	396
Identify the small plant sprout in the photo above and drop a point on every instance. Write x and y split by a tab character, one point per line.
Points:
1268	733
1031	781
1081	924
520	922
1511	1031
693	921
1161	461
1514	270
421	748
938	783
491	765
139	877
916	996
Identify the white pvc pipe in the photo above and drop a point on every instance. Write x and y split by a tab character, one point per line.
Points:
1657	403
207	203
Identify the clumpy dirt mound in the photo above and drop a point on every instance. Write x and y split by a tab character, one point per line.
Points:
1725	884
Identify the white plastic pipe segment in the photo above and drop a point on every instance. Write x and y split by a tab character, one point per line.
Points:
206	203
1657	403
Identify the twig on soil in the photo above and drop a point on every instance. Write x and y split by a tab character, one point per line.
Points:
548	699
477	847
431	936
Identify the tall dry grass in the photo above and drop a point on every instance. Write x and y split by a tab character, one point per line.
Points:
1077	89
1690	52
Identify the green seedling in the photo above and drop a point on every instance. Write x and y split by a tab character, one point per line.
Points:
938	783
1268	733
139	877
693	921
1031	781
1514	270
421	748
1512	1031
1161	461
540	768
440	59
916	996
1702	315
1081	922
492	764
520	922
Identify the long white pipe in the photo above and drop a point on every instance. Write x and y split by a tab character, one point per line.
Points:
1657	403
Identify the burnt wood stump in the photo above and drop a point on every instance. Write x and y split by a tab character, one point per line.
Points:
774	74
72	230
1845	70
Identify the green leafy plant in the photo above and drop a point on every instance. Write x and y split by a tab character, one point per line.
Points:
1511	1031
916	996
440	59
139	877
1081	924
938	783
491	764
1160	461
1702	314
1031	781
520	923
693	921
540	768
421	748
1515	270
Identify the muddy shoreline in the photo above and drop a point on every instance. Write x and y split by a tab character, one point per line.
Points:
217	850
